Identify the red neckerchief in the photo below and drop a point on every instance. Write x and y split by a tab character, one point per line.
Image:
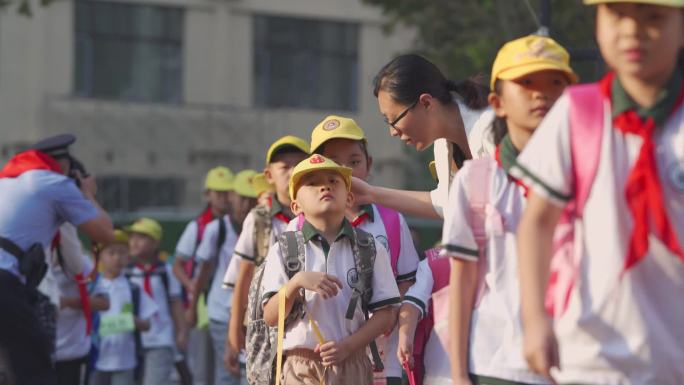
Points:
202	221
81	282
517	181
643	191
147	270
28	161
360	219
280	215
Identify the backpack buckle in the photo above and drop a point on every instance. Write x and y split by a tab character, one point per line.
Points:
293	265
364	241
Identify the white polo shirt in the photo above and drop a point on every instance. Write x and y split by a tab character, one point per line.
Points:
187	243
117	351
245	248
161	329
614	331
496	329
330	314
435	358
474	121
219	300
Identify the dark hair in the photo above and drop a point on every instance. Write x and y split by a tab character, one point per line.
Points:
499	126
407	76
362	143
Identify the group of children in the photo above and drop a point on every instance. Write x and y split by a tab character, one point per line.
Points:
565	258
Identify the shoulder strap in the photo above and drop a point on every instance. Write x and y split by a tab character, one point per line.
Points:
478	188
135	296
363	247
587	116
441	269
300	222
11	248
390	218
221	239
292	247
262	233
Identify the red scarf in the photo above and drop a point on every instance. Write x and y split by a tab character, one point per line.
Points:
360	219
280	215
497	156
643	191
147	270
202	221
28	161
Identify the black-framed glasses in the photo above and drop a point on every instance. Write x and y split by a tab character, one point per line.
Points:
401	116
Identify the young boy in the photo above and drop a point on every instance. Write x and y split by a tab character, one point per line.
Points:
325	283
157	280
117	358
245	196
341	140
218	193
622	323
260	230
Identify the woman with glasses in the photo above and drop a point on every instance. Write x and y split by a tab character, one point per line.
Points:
422	108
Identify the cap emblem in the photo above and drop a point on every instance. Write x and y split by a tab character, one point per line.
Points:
331	124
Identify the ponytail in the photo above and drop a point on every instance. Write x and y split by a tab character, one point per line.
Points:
499	126
406	77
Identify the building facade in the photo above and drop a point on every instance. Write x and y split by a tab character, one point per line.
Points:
159	91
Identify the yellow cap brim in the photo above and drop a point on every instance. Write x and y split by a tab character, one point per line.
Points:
303	147
518	72
667	3
346	173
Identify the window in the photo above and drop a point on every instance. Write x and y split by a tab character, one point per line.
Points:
305	63
129	52
125	194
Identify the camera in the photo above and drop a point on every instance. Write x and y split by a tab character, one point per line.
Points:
76	167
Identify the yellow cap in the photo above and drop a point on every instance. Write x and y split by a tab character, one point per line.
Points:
120	237
667	3
530	54
317	163
146	226
287	141
335	127
243	183
219	179
260	184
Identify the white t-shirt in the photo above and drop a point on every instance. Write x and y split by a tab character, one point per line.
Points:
161	330
245	246
219	301
496	329
475	121
330	314
117	351
435	358
187	243
615	331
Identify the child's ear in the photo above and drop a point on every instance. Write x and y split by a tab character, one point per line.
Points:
350	200
294	206
494	100
268	175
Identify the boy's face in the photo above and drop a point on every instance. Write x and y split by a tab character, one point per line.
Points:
114	258
640	40
219	201
348	152
241	207
143	246
321	193
524	102
279	171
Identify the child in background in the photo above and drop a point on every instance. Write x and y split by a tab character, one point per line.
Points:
341	140
485	204
614	149
155	277
325	284
117	356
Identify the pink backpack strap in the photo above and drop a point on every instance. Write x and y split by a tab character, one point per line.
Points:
441	271
390	218
300	222
587	109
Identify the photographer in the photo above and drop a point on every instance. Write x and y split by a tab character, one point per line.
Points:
39	193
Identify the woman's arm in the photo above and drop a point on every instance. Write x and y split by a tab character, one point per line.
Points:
417	203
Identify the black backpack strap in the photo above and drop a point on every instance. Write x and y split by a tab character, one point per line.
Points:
292	248
223	231
11	248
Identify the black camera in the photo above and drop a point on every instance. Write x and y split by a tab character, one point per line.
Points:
77	167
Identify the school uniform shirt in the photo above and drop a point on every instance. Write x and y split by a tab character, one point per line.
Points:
246	243
72	340
629	330
219	300
473	120
33	207
496	329
336	259
187	243
435	358
117	351
161	325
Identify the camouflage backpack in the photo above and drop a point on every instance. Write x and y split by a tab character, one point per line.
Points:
262	339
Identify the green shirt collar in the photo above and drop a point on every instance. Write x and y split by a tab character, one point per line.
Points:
309	232
507	153
276	206
368	209
660	111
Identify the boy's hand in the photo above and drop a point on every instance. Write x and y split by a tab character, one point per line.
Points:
191	316
405	350
231	360
332	352
324	284
541	348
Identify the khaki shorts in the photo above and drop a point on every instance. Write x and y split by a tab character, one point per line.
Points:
304	367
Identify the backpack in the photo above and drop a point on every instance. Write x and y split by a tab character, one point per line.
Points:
586	119
262	341
190	266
